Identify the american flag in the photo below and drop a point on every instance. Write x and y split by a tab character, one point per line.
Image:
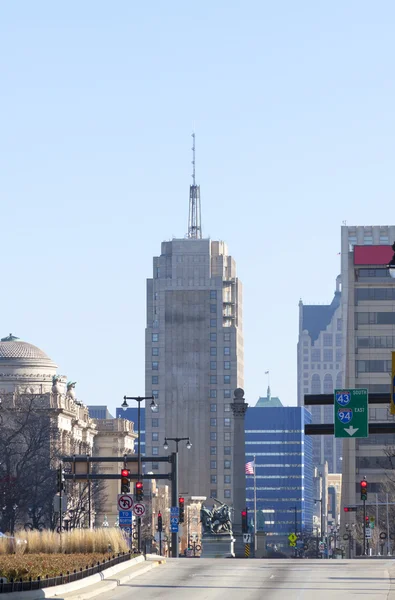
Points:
250	468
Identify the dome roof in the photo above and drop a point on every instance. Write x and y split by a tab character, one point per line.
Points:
12	347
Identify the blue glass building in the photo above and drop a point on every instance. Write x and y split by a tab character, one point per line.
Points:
284	472
131	415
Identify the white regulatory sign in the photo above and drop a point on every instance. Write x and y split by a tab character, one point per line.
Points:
139	509
368	534
247	538
125	501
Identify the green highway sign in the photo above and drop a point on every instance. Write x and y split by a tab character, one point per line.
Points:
351	415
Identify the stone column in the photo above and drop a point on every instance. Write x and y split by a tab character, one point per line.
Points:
239	408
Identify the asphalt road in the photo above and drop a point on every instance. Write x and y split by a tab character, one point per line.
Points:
231	579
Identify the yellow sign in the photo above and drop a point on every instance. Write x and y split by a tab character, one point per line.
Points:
392	399
292	544
292	538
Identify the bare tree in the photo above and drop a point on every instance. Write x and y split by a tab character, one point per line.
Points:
28	448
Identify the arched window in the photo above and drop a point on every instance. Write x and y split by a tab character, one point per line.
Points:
328	384
316	384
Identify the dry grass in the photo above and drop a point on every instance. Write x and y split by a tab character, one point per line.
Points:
83	541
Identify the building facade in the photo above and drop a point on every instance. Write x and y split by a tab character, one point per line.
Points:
194	360
368	308
284	472
31	389
320	369
131	415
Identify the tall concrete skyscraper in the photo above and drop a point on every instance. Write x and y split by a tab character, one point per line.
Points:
321	369
194	357
368	311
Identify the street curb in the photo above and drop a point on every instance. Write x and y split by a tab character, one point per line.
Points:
66	588
109	584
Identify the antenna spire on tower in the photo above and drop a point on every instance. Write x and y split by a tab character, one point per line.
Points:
194	221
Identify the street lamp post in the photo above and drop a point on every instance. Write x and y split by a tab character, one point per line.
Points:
174	487
154	408
322	515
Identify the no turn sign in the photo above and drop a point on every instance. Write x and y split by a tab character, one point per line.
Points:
139	509
125	501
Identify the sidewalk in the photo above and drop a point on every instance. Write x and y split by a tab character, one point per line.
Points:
90	587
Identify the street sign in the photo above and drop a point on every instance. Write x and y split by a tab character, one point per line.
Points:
174	511
125	514
124	521
292	537
383	535
368	533
292	544
56	503
247	538
125	501
126	529
174	524
351	414
139	509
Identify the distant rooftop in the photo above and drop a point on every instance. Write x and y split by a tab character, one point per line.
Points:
316	318
268	401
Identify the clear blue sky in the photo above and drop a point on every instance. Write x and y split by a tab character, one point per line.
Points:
293	107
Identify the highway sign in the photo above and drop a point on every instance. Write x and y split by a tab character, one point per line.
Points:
139	509
351	416
247	538
125	514
125	501
126	529
292	538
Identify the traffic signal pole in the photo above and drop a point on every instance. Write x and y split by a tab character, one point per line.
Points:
174	500
364	527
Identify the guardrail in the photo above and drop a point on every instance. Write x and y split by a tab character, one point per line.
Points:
37	584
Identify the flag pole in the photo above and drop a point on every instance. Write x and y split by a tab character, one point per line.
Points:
255	523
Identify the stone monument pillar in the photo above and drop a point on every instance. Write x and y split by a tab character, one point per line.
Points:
239	408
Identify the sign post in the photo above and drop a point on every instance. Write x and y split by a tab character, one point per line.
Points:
393	385
351	415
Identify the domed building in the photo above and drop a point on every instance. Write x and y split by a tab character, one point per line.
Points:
30	385
24	367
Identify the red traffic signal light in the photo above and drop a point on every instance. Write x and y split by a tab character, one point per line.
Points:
181	509
345	509
244	521
160	525
125	481
364	489
367	519
139	491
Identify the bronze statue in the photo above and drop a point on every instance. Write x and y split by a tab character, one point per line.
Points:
217	521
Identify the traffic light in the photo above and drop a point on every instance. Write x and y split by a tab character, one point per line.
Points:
139	491
125	481
364	489
181	510
244	521
160	526
350	509
367	522
60	480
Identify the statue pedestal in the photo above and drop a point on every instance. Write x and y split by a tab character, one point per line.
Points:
218	546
